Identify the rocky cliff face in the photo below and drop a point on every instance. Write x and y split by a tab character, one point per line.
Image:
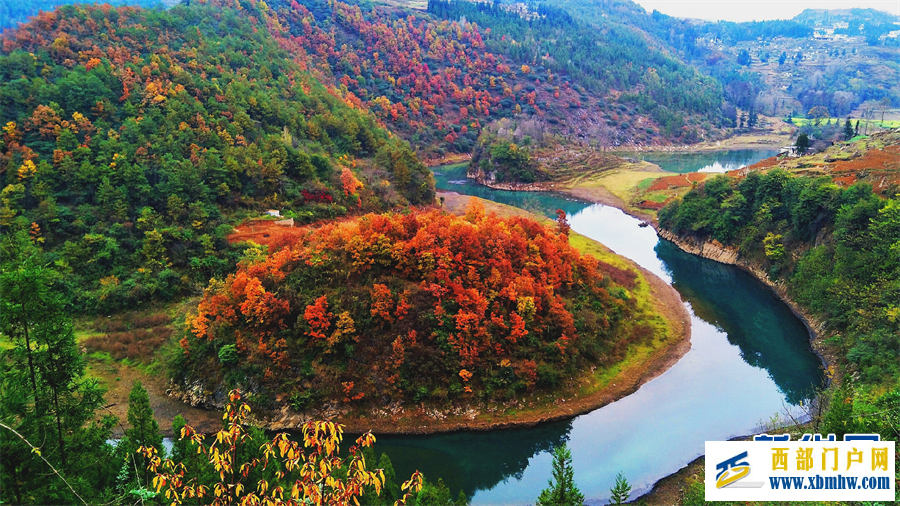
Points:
215	397
198	394
713	250
474	171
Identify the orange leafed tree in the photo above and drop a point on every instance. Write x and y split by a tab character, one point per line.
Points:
349	182
394	302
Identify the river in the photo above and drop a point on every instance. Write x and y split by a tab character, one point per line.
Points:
750	360
705	161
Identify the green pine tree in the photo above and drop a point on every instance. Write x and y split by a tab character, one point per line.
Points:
184	452
181	448
391	491
434	494
802	143
621	490
839	419
848	129
562	490
44	394
144	429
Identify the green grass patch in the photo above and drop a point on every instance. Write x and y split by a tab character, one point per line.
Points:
657	196
603	377
451	166
645	183
585	246
83	335
100	356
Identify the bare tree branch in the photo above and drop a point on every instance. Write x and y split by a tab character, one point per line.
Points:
37	452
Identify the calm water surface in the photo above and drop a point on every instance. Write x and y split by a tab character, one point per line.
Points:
705	161
750	360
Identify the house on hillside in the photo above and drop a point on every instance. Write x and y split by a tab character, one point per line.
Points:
790	151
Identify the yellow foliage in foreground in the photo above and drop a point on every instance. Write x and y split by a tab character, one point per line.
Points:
311	471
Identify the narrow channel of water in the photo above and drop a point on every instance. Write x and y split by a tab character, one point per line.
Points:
704	161
750	360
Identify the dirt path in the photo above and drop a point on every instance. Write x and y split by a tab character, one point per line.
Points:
118	379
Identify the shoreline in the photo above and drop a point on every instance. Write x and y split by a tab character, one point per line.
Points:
597	195
708	250
774	133
669	484
707	147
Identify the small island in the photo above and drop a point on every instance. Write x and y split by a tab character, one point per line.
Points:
428	321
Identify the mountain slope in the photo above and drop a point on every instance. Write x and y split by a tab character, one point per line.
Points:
132	137
438	77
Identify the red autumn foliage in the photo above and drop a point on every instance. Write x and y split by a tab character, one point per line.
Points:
266	232
424	295
317	317
679	181
320	196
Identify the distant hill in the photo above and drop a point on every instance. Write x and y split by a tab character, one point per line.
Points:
812	17
439	77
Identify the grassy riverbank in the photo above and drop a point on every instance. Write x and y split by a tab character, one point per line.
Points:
638	187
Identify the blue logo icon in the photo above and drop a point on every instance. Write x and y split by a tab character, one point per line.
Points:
731	470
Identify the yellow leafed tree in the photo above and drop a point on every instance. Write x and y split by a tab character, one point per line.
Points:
310	472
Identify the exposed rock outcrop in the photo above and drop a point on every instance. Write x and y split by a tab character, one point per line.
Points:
199	395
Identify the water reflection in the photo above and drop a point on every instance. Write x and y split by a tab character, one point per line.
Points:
453	178
473	461
732	301
705	161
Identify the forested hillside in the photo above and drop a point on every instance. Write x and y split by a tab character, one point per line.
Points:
615	61
837	249
418	307
439	77
775	66
133	138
